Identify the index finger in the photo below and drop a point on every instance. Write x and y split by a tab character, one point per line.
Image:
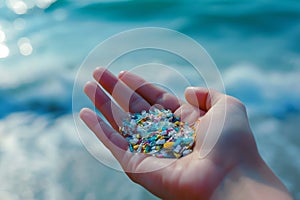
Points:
127	98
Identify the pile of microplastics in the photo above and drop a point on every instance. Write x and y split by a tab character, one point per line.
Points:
158	133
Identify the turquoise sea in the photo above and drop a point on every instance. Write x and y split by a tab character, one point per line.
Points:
255	44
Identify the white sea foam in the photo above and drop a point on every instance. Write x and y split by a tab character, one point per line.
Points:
264	92
41	159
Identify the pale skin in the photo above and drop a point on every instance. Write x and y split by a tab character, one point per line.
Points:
232	170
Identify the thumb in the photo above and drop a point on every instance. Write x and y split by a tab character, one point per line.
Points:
203	98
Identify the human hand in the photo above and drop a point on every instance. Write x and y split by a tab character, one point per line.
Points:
188	177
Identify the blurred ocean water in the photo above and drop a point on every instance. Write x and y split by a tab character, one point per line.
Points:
43	42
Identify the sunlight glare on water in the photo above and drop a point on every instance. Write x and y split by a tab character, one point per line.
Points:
19	7
25	47
4	51
44	3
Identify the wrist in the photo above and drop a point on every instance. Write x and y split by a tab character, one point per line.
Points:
251	180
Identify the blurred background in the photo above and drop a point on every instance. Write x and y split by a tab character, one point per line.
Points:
255	44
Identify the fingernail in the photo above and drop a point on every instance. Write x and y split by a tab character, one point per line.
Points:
98	72
84	113
190	88
122	73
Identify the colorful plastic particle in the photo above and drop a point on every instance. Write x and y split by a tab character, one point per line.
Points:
168	145
159	133
135	147
130	147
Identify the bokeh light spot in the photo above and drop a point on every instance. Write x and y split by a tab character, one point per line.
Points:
19	7
4	51
44	3
25	46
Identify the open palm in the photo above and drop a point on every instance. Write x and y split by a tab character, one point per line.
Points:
188	177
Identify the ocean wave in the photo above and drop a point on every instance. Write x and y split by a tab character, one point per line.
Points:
37	91
264	92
